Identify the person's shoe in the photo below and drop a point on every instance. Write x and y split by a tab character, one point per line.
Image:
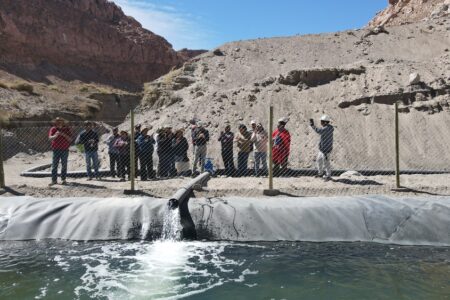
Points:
98	178
89	179
326	178
52	183
122	179
318	176
64	182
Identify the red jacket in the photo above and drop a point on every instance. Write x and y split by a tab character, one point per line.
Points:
61	143
281	145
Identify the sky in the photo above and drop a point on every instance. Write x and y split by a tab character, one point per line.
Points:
206	24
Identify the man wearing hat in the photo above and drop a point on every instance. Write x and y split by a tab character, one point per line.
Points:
60	136
89	138
281	147
200	138
325	146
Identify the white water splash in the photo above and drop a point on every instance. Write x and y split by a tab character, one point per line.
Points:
171	226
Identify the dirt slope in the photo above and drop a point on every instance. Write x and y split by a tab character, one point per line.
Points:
354	76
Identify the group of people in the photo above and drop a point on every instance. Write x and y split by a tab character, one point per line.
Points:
172	150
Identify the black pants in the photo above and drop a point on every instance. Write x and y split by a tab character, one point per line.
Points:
113	164
164	167
228	162
124	165
146	162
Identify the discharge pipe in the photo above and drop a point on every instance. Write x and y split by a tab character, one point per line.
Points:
181	198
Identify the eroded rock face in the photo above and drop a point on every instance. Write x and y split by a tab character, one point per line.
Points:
90	40
410	11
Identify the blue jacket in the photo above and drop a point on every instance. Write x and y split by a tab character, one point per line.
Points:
145	144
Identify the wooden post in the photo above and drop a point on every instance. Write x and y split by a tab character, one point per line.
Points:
270	191
132	152
397	149
270	162
2	172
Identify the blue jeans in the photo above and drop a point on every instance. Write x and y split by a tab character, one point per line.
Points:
260	157
91	156
59	155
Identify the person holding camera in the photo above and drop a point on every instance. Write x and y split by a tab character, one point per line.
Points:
281	139
89	138
325	146
60	136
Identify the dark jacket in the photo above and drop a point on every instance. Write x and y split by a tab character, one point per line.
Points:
145	144
226	139
90	140
180	149
326	138
164	145
197	140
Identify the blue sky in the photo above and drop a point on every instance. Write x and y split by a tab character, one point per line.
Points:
206	24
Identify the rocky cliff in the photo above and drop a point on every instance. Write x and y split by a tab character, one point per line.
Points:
401	12
89	40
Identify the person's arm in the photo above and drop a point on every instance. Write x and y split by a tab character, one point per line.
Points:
220	137
53	134
253	138
207	135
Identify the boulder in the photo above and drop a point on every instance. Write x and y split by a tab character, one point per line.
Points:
414	78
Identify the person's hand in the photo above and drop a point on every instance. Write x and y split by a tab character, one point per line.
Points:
311	122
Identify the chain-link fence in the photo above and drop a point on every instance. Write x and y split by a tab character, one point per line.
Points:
314	158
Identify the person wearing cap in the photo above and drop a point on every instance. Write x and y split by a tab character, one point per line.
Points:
89	139
259	139
60	136
145	143
226	140
244	144
113	152
281	147
200	138
325	146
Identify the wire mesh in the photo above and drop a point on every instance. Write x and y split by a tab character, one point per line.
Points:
236	155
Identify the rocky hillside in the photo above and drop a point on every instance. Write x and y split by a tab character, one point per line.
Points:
74	58
401	12
80	39
354	76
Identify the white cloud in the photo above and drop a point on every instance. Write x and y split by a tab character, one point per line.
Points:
180	29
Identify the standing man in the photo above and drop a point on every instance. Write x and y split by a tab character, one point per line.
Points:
60	136
259	140
200	138
89	139
325	146
226	140
244	145
113	152
146	143
281	147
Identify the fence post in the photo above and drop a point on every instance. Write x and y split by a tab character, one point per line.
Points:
397	149
2	172
132	152
270	191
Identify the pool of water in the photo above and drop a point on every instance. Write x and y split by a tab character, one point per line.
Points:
216	270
